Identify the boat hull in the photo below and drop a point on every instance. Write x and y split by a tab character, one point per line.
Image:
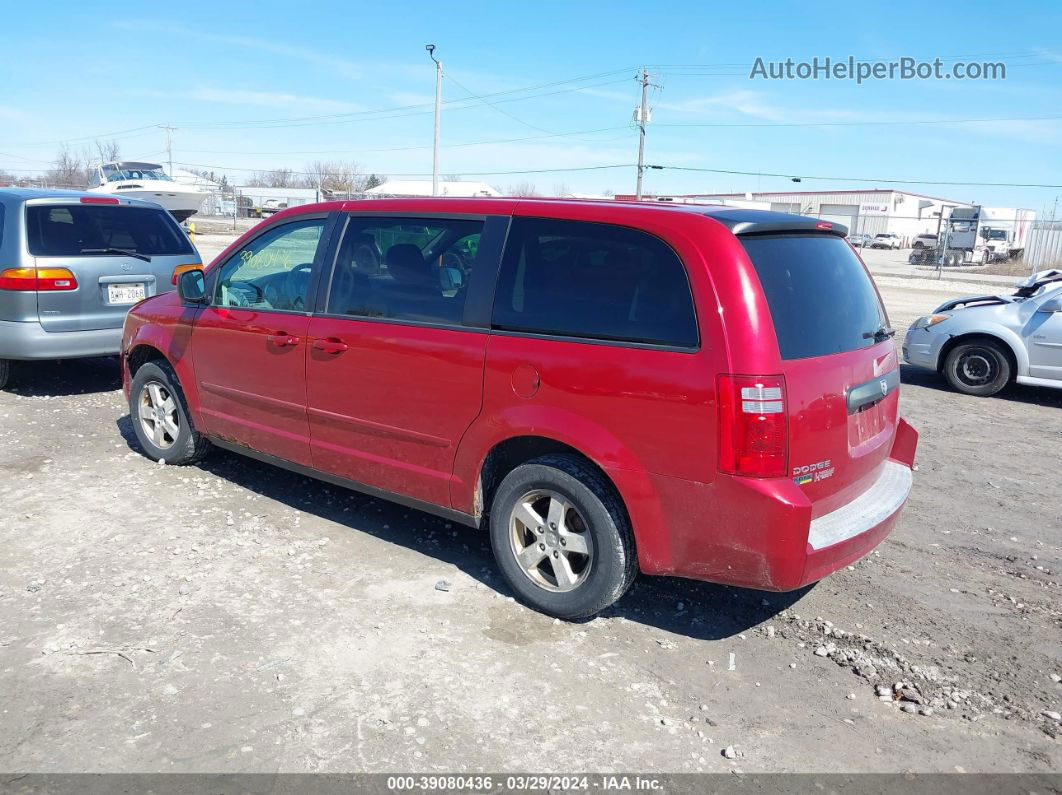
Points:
181	201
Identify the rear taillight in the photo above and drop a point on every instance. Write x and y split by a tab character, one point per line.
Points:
752	426
37	279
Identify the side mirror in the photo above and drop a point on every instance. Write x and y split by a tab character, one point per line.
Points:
1054	305
191	286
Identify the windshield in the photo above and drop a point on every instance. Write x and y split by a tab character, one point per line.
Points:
113	173
821	297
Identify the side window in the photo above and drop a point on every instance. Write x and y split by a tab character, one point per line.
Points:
596	281
405	268
273	270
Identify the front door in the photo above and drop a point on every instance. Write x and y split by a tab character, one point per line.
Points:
1044	336
394	367
249	347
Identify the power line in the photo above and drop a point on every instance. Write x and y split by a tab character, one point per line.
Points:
494	106
340	118
864	123
858	179
416	173
408	148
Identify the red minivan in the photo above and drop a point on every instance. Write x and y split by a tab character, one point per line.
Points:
608	387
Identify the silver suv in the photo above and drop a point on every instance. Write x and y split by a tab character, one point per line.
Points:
71	265
984	342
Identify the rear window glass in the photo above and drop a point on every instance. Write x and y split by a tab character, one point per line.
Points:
821	298
595	281
87	229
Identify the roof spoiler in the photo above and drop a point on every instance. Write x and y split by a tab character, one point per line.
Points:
763	222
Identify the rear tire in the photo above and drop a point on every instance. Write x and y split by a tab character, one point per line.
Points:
160	418
981	368
562	538
5	372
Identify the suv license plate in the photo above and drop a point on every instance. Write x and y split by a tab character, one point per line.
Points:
125	293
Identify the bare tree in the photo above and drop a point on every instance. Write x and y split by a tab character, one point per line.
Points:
522	189
336	176
108	151
561	189
277	178
69	169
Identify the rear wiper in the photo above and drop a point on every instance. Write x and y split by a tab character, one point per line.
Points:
882	334
124	251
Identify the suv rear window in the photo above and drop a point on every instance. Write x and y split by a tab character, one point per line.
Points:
68	230
821	297
593	281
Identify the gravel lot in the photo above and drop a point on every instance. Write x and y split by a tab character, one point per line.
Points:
234	617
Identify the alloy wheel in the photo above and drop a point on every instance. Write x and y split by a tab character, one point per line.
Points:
158	414
551	541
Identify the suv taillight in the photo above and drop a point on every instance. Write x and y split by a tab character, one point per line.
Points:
37	279
753	440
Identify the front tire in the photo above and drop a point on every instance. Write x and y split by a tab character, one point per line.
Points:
981	368
5	372
160	418
561	537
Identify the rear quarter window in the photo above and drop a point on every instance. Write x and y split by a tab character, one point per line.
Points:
821	297
593	281
69	230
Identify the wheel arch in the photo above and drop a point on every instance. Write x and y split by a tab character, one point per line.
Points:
1016	353
151	343
513	451
498	442
141	354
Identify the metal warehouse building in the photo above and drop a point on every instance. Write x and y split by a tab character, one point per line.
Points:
862	211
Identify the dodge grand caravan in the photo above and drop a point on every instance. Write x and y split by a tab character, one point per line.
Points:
609	388
71	265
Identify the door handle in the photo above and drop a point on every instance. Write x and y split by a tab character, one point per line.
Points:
281	339
330	345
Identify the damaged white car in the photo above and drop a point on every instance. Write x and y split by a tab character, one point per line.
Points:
982	343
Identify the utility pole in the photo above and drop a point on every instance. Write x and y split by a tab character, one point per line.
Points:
438	111
643	119
169	128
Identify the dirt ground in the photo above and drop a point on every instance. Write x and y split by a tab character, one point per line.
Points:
234	617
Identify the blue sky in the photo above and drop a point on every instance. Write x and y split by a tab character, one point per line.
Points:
238	81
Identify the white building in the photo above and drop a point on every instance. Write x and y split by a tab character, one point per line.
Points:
862	211
408	188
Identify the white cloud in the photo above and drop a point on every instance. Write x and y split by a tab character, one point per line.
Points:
747	103
14	114
272	99
336	64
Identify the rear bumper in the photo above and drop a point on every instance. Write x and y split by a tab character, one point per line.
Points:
29	340
760	533
854	529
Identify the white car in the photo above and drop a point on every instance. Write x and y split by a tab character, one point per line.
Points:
886	240
925	241
983	343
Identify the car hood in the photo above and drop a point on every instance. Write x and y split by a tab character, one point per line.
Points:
974	301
